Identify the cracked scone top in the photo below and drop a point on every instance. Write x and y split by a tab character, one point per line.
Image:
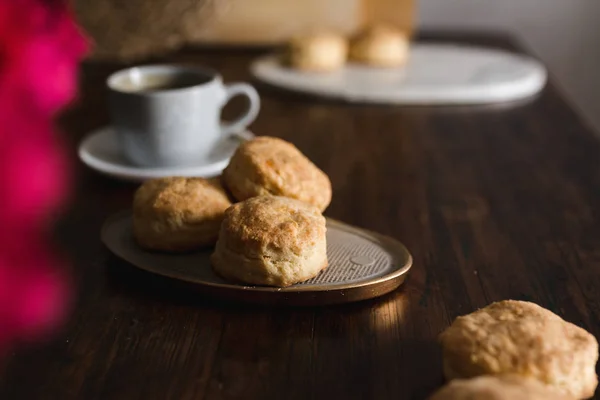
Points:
178	214
503	387
272	241
522	338
272	166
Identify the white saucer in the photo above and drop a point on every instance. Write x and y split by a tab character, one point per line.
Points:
100	151
434	74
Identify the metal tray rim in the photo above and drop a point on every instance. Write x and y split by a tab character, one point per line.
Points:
399	250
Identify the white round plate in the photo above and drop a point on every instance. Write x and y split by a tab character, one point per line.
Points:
434	74
100	151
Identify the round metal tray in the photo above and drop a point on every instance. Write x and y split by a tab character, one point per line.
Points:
362	265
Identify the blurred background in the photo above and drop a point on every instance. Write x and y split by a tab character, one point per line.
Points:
563	34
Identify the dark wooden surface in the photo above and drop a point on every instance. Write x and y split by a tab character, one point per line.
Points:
495	202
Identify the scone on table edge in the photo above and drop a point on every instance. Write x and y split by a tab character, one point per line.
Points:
522	338
272	166
271	241
317	52
501	387
178	214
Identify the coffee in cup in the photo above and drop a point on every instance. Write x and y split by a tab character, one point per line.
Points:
168	115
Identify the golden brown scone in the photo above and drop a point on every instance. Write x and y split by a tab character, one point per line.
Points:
380	46
318	52
268	165
272	241
178	214
507	387
522	338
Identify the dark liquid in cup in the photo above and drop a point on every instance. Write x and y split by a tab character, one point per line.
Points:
158	82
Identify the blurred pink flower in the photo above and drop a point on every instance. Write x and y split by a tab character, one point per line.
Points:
40	47
32	168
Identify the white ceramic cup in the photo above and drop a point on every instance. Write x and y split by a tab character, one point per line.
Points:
168	115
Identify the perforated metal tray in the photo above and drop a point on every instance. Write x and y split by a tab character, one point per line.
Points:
362	265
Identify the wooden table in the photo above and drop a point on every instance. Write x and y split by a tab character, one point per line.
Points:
495	202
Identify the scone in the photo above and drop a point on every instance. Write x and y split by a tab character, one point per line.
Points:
380	46
318	52
178	214
522	338
508	387
268	165
271	241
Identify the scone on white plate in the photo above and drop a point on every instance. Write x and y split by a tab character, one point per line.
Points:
317	52
524	339
380	46
271	241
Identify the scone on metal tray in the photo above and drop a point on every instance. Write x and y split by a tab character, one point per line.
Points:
178	214
501	387
380	46
524	339
317	52
271	241
272	166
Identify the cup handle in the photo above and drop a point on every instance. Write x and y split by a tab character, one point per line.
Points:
239	124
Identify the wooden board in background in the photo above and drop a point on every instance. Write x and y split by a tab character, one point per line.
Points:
138	29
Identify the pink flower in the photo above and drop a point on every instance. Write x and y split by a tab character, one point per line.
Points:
32	167
40	47
32	291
